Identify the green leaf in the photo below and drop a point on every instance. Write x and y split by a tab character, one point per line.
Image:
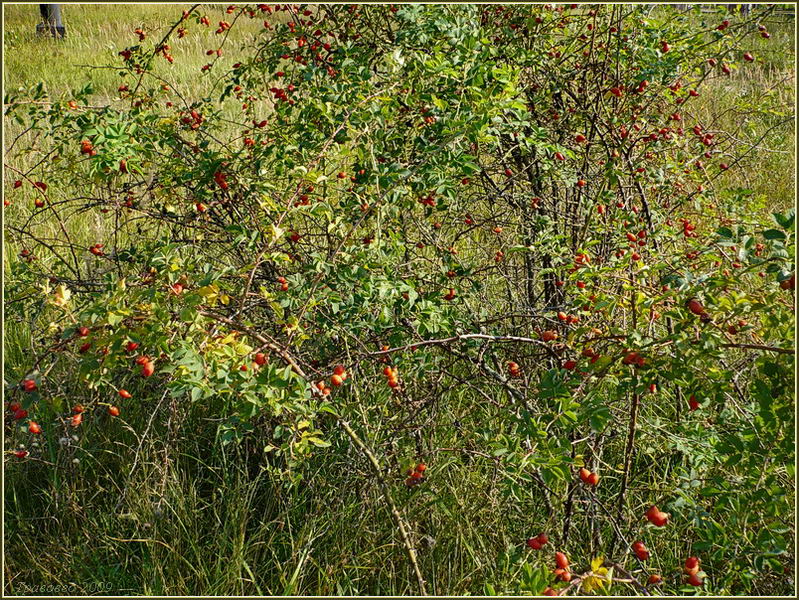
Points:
774	234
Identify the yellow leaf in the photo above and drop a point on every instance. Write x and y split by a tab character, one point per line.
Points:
61	296
598	578
228	339
276	232
208	290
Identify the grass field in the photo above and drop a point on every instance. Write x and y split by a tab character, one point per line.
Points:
195	517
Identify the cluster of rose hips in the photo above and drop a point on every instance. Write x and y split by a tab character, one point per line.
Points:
633	358
538	542
549	336
392	375
428	200
146	364
339	375
194	120
87	148
568	319
688	228
304	199
588	478
657	517
323	388
591	354
16	411
221	180
415	475
77	417
562	571
165	48
282	93
640	551
692	570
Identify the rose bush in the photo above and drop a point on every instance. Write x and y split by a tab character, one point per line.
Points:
508	223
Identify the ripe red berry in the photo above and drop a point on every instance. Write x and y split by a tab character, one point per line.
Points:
113	411
695	306
147	369
657	517
692	565
29	385
260	358
549	336
125	394
695	580
34	427
561	560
